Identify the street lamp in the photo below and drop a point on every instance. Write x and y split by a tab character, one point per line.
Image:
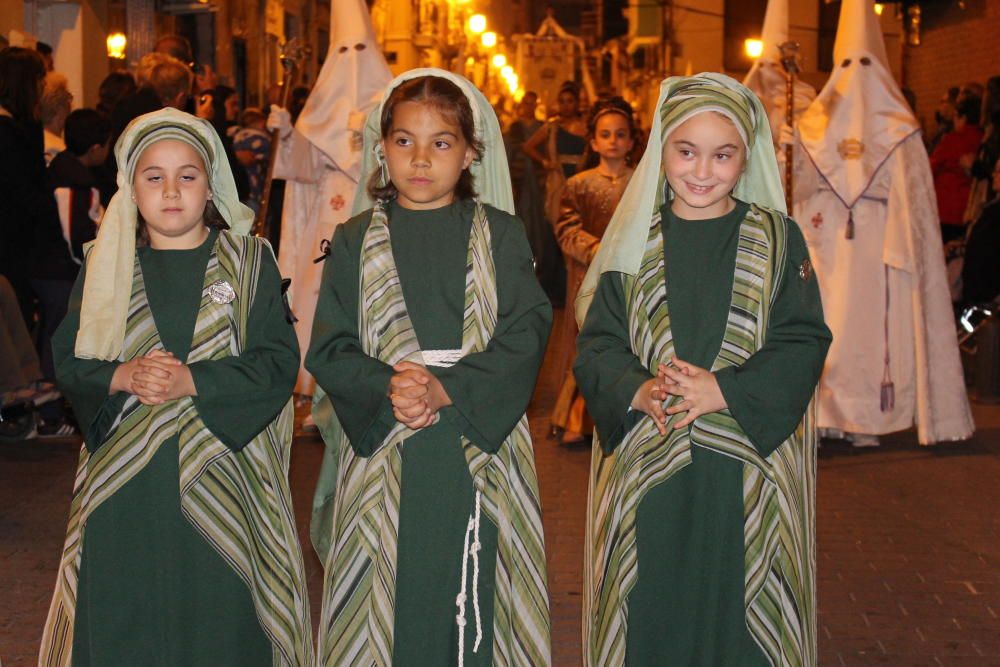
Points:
499	60
489	39
477	24
879	7
753	47
116	46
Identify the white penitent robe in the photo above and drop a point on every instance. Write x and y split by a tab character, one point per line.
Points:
318	197
894	264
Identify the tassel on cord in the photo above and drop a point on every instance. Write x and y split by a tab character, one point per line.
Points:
467	551
888	394
849	234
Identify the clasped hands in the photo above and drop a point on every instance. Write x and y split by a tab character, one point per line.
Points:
155	378
416	395
696	386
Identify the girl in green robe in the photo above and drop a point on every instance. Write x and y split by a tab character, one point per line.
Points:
179	362
701	344
429	332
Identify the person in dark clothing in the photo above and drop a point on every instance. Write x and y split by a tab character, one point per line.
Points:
981	271
73	181
59	240
113	89
27	202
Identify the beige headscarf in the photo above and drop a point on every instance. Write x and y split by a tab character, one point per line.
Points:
111	259
624	241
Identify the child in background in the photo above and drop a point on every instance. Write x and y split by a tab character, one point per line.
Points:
699	354
588	200
252	146
179	362
429	333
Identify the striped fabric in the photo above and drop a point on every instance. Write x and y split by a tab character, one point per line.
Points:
778	492
358	615
239	501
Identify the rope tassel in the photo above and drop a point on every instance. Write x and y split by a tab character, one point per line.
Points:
470	551
849	234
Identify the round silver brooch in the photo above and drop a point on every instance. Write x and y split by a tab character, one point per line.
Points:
221	292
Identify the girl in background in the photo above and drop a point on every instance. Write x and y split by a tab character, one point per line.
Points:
588	200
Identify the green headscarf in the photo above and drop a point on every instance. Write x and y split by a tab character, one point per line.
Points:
111	259
681	98
491	173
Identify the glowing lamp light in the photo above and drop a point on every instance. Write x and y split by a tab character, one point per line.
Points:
477	24
489	39
500	60
519	94
878	8
753	47
506	71
116	45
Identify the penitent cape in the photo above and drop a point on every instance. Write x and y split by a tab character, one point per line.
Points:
866	205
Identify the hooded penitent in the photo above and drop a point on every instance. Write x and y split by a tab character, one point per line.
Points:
865	202
767	77
321	159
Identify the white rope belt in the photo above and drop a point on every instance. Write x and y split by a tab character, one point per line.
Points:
444	359
441	358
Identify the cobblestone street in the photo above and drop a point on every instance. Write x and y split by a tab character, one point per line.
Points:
908	557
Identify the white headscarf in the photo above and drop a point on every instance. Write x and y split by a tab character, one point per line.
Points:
860	116
624	241
111	260
491	173
350	82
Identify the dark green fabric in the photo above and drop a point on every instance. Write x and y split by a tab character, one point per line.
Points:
152	591
490	391
687	607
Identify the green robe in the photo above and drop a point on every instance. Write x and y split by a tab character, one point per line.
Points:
490	392
687	607
151	590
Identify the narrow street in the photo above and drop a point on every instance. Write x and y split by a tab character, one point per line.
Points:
908	557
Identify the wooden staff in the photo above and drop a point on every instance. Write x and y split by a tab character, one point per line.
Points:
790	63
292	54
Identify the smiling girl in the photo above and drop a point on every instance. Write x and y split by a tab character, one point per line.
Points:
701	347
179	363
429	333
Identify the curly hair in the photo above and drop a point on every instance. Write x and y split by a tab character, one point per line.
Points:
447	99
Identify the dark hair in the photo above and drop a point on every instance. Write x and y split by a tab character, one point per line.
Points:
447	99
616	105
970	109
212	218
571	88
21	70
115	87
86	128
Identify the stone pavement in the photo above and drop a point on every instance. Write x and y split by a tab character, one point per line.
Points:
908	543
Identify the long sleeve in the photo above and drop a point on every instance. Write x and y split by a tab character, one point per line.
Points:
490	390
769	393
85	382
239	396
607	371
356	383
574	240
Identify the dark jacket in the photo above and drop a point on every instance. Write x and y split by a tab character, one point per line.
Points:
77	201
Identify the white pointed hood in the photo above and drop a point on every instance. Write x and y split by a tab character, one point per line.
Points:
860	116
766	77
349	85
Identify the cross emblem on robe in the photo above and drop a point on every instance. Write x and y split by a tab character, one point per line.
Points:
817	220
337	202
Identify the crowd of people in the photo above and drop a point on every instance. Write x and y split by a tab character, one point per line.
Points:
426	246
60	173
